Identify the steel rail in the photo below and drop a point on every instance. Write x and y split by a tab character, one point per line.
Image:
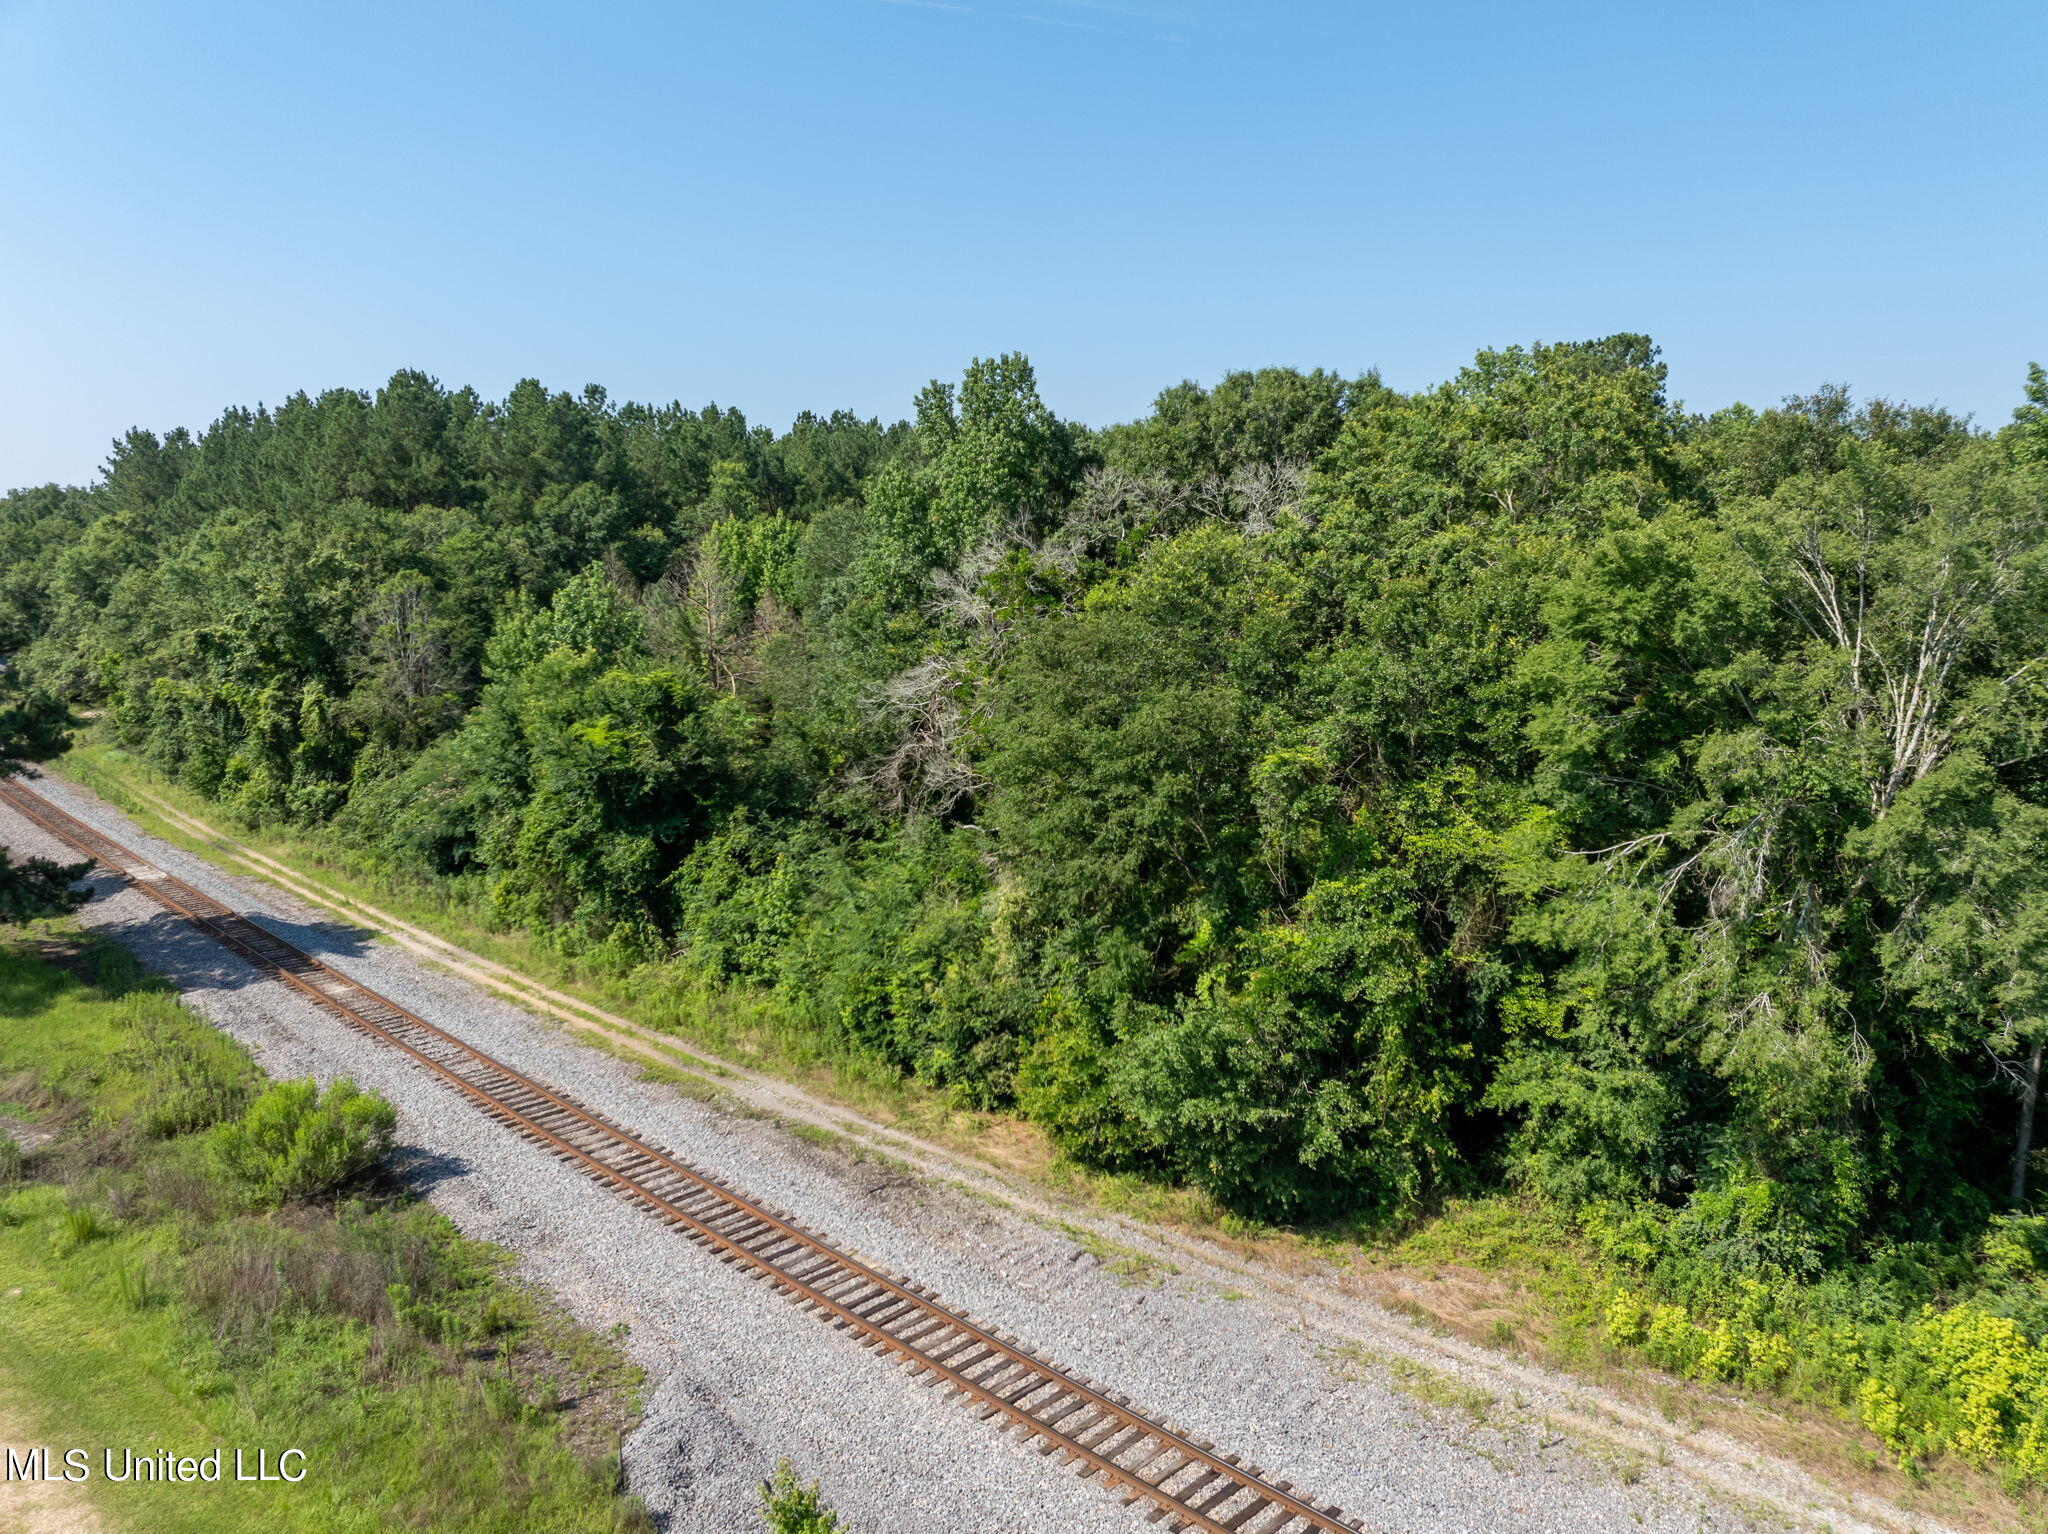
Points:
1187	1480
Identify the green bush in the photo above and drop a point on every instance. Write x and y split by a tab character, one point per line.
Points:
297	1142
2015	1246
790	1507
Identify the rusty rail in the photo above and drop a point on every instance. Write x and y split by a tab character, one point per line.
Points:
1187	1481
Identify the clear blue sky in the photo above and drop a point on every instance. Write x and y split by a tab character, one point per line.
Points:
784	204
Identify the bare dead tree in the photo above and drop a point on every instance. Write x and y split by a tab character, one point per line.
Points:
956	589
926	772
714	616
1260	493
1900	634
1113	503
1109	505
401	632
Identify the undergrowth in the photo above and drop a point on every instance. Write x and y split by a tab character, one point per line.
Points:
1935	1350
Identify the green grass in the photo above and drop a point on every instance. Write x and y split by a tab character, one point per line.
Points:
144	1306
1129	1266
1434	1389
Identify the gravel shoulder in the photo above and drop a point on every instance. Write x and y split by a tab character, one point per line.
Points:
1408	1434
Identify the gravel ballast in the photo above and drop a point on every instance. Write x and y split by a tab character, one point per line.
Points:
739	1378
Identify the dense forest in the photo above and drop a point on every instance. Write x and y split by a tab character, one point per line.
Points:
1330	797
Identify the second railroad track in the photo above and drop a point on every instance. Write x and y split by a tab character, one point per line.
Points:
1185	1481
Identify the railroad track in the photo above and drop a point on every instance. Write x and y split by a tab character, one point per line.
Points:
1185	1481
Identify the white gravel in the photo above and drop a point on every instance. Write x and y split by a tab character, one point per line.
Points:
740	1378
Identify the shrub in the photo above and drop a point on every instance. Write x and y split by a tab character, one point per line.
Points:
1723	1349
1770	1357
1628	1319
1967	1382
790	1507
2014	1246
1955	1379
297	1142
1754	1227
1672	1340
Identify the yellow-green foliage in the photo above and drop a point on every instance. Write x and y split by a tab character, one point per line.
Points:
2012	1247
1720	1349
1957	1380
1985	1398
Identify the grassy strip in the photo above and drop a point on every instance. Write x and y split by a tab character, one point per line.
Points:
143	1305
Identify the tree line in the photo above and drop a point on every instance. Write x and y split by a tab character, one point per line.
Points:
1330	797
